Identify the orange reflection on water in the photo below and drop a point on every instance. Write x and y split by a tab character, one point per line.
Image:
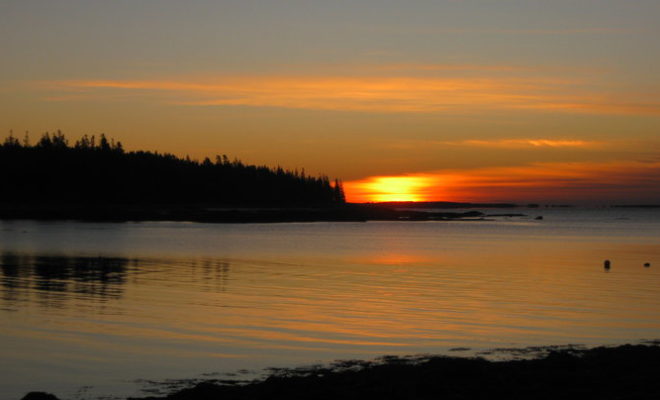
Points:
393	259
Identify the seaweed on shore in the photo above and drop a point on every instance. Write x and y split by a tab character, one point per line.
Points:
566	372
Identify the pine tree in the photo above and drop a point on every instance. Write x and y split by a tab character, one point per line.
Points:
339	195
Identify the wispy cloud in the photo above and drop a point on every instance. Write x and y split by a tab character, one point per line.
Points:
526	143
367	94
551	31
451	67
559	31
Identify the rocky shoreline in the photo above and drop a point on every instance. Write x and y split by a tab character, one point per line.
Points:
566	372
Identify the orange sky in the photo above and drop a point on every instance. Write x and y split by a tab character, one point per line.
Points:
597	183
447	100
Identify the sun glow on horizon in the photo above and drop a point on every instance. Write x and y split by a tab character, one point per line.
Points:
536	182
393	188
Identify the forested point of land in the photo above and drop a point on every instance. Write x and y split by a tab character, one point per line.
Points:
99	171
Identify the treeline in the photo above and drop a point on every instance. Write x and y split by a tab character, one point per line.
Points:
99	171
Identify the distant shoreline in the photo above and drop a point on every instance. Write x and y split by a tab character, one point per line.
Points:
220	213
209	213
225	214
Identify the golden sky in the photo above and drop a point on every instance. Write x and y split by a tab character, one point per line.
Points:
524	101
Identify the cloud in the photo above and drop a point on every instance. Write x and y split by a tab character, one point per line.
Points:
560	31
551	31
367	94
526	143
451	67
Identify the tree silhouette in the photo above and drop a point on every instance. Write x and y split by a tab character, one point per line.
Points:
100	171
339	196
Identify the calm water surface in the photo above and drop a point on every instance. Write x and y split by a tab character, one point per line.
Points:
90	308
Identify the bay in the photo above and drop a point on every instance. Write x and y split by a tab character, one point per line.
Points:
97	309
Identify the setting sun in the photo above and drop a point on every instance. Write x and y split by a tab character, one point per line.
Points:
391	188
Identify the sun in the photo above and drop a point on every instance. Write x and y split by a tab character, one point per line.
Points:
394	188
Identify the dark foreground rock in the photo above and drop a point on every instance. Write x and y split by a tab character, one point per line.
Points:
39	396
625	372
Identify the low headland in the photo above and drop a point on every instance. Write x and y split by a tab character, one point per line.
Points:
554	372
95	179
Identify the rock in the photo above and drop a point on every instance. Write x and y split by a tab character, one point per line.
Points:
39	396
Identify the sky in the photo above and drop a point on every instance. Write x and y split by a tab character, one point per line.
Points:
418	100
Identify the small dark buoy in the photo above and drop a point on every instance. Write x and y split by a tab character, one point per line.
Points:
607	264
647	265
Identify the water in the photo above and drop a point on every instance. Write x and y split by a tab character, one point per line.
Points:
95	309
